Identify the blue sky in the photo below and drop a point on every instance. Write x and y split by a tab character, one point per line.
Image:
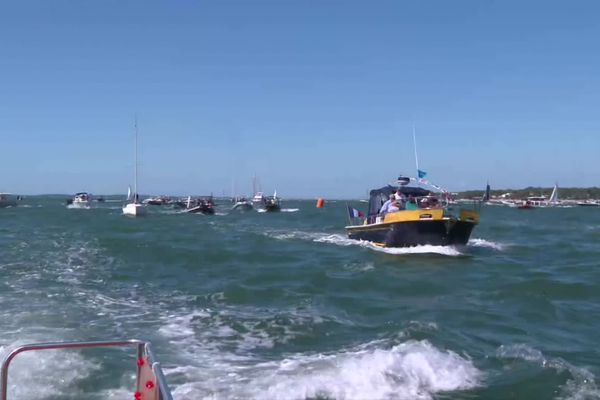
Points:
317	98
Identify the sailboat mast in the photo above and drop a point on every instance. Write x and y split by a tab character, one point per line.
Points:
415	144
135	177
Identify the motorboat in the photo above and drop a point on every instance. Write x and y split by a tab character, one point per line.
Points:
134	208
589	203
272	204
242	204
418	216
7	200
526	205
158	201
258	198
201	205
150	382
80	200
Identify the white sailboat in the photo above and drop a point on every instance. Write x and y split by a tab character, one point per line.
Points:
553	200
134	208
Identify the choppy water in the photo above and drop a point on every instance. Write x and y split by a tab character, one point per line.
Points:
283	306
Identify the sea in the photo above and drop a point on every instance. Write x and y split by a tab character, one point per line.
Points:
284	306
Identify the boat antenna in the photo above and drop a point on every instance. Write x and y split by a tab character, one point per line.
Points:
415	145
135	177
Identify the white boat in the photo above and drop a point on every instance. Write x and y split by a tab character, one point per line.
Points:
134	208
553	200
81	200
7	200
242	204
259	198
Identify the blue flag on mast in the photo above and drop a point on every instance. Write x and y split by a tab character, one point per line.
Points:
422	174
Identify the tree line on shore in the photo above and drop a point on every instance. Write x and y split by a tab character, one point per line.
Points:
564	193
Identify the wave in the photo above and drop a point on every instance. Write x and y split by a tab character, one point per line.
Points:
410	370
219	357
486	243
582	384
290	210
341	240
74	207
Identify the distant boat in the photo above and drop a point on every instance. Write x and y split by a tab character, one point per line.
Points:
553	200
203	205
589	203
258	198
134	208
526	205
486	196
241	204
7	200
80	200
272	204
158	201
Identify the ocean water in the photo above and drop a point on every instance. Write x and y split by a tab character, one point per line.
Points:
284	306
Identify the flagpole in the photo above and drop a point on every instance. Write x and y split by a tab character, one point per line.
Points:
415	145
348	212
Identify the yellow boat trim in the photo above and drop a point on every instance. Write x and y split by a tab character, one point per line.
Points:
433	214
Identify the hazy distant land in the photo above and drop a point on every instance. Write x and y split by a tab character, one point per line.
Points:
564	193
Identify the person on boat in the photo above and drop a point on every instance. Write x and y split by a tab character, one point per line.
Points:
385	207
400	198
394	206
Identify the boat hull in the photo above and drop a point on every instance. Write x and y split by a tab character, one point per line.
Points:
273	208
415	233
134	210
242	207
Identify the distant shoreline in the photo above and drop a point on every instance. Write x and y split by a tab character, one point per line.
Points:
567	193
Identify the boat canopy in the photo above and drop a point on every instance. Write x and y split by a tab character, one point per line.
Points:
379	196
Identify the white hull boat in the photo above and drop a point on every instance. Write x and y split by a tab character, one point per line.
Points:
135	209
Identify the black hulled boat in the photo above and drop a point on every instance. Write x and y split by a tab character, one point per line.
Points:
202	205
272	204
423	217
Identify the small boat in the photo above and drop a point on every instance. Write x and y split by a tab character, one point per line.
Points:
7	200
553	201
419	216
272	204
158	201
134	208
203	205
258	198
241	204
589	203
80	200
526	205
150	382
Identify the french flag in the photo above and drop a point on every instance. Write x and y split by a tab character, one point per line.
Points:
354	213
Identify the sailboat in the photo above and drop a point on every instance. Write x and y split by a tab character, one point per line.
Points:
134	208
486	196
553	200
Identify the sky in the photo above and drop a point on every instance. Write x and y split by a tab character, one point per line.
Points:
316	98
